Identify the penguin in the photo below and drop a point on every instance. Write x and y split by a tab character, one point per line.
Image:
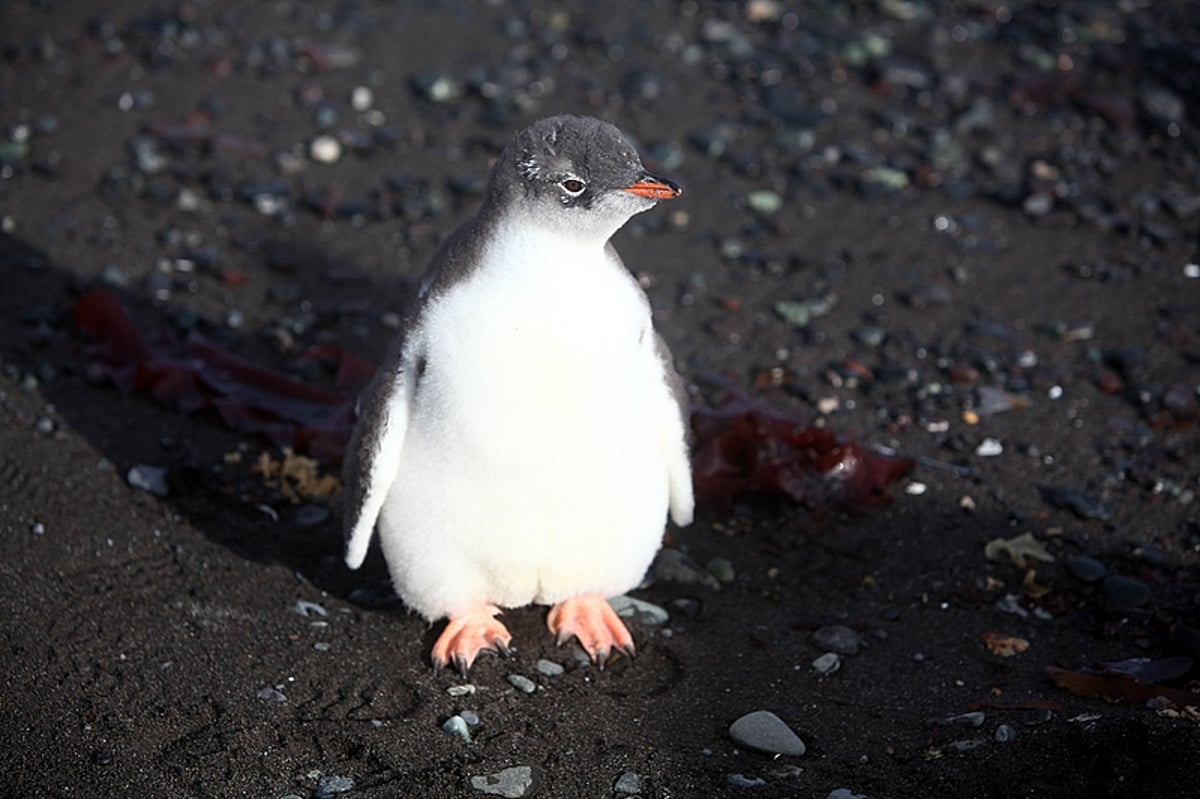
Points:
525	438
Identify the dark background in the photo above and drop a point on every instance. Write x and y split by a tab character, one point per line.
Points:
993	205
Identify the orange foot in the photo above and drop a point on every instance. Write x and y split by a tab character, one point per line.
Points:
468	634
593	621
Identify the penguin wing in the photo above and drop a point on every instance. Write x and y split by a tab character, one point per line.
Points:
373	456
672	420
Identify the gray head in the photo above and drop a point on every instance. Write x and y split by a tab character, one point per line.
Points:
575	174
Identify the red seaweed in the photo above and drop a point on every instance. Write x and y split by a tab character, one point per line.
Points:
746	449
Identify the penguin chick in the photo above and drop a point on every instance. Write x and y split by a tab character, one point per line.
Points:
525	438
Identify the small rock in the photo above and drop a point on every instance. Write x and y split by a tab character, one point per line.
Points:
742	781
837	638
148	478
764	201
673	566
549	668
310	515
332	785
1125	592
309	609
466	689
989	448
627	784
513	783
470	717
722	569
844	793
522	683
1082	504
325	150
457	726
966	746
628	607
44	425
1089	570
766	732
269	694
37	528
827	664
1005	734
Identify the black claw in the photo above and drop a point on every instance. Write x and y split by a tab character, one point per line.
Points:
504	650
462	665
601	658
629	651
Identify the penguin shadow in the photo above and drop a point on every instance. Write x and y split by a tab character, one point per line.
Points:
211	473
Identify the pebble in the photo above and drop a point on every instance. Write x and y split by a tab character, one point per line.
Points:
522	683
470	717
325	150
827	664
1005	734
989	448
332	785
44	425
837	638
457	726
549	668
1087	569
1125	593
764	201
673	566
627	784
148	478
309	609
742	781
466	689
766	732
269	694
513	783
628	607
37	528
310	515
722	569
844	793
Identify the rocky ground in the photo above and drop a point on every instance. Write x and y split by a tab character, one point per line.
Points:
965	232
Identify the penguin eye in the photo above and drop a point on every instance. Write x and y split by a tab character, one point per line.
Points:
573	186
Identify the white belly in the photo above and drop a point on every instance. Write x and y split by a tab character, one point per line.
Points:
531	470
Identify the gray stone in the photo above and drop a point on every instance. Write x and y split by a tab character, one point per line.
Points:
673	566
628	784
457	726
513	783
1125	592
766	732
628	607
1089	570
332	785
827	663
549	668
837	638
522	683
742	781
844	793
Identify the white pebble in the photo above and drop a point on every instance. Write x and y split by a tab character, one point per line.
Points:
325	149
989	448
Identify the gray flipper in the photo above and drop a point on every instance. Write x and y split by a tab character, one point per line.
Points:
373	455
673	436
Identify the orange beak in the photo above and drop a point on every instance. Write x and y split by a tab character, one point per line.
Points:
654	188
